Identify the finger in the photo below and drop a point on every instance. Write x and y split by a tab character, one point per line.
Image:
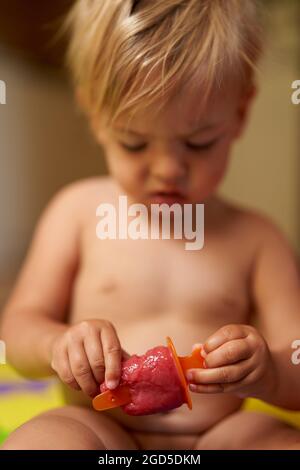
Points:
241	387
62	367
226	374
197	346
209	389
112	356
81	368
229	353
94	352
223	335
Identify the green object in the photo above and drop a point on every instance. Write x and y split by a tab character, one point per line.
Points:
3	435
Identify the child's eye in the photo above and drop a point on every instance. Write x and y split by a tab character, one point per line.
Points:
190	146
133	148
201	147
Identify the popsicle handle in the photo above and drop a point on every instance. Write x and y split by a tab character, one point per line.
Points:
112	398
194	361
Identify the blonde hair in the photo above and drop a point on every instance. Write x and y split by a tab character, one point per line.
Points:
126	55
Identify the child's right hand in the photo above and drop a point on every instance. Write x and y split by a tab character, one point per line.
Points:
86	354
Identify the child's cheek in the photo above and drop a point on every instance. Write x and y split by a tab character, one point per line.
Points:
220	169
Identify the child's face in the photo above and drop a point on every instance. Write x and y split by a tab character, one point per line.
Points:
179	155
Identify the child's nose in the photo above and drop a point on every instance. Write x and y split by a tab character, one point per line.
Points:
169	168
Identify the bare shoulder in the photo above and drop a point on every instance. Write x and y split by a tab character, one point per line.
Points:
255	227
80	197
67	212
86	189
54	253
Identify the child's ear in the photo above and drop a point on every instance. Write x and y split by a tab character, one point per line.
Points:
96	129
243	109
81	99
92	119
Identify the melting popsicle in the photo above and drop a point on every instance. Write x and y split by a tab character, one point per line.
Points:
152	383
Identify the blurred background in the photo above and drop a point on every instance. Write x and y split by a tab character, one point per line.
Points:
45	142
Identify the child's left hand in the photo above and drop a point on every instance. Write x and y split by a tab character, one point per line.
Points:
238	361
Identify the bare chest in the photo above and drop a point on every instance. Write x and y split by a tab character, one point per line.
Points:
151	289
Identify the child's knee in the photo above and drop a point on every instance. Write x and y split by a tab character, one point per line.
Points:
52	431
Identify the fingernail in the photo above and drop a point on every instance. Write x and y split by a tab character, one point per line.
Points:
203	353
193	387
190	376
112	384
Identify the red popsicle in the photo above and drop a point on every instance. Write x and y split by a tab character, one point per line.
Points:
151	383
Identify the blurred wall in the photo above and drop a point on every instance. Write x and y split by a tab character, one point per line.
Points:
265	169
44	144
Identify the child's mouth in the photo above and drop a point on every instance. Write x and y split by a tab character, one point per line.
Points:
170	197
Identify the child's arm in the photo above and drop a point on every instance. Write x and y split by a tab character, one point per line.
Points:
256	362
276	287
37	307
37	339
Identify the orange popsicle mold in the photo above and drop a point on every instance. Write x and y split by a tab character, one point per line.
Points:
182	365
112	398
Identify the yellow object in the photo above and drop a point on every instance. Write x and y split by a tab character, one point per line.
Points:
19	406
290	417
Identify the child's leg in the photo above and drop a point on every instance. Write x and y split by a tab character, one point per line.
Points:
250	430
71	428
